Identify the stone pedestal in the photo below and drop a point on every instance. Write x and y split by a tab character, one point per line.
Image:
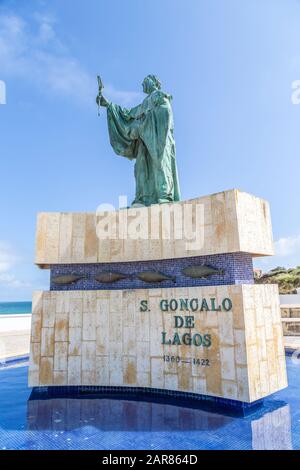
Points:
217	336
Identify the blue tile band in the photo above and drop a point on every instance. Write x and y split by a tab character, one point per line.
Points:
238	269
146	394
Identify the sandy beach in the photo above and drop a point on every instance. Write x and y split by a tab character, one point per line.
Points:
14	336
14	344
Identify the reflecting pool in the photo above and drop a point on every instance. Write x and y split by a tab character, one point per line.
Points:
110	422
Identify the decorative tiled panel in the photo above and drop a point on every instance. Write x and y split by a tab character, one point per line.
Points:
237	269
227	222
127	338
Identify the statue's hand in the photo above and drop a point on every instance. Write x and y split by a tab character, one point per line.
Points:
101	101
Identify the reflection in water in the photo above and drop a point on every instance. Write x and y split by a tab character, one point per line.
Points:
92	421
273	430
269	425
110	414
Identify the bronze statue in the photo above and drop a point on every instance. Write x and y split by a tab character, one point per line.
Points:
146	133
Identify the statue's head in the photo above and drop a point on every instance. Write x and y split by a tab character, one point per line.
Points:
151	83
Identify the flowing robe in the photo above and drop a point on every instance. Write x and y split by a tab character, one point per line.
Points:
146	133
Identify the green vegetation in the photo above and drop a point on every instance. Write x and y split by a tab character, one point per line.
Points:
287	279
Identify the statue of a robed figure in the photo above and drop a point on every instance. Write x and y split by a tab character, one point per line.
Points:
146	133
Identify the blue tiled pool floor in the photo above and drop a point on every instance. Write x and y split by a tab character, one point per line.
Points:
111	423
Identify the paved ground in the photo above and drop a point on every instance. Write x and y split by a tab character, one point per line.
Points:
292	342
14	343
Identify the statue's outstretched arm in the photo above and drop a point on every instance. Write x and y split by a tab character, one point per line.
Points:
102	101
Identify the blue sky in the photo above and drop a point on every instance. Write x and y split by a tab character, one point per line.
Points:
229	65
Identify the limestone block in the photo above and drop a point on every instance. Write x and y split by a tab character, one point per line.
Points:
227	222
115	369
47	342
129	341
143	379
75	313
171	382
36	326
46	371
102	340
102	370
65	239
75	338
61	356
90	239
157	374
60	377
240	347
129	370
74	370
107	339
62	327
229	389
88	355
184	375
227	363
48	312
35	354
88	377
33	378
242	382
89	326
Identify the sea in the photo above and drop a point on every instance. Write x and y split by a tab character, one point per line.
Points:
7	308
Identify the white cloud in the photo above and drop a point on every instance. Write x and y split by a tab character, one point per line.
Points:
125	98
7	257
18	276
35	52
287	254
8	261
39	56
287	246
2	92
10	281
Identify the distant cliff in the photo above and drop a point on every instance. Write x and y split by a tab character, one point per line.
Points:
287	279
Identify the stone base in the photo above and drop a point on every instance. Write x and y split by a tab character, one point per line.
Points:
210	333
141	338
